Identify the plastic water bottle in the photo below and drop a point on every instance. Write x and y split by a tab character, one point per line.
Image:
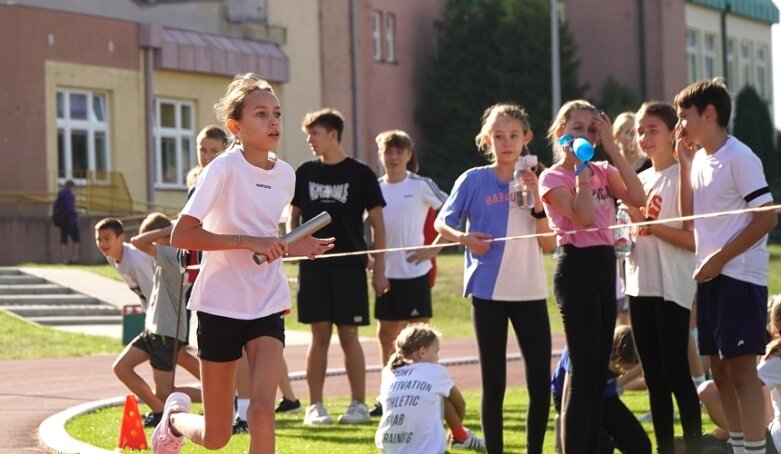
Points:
623	238
524	197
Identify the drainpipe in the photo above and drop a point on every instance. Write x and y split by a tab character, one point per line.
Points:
150	37
641	56
355	54
149	106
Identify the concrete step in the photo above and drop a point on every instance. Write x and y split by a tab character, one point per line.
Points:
77	320
59	311
9	271
71	298
34	289
20	279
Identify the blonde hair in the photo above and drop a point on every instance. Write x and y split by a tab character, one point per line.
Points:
192	176
493	113
561	120
774	319
229	107
155	221
410	340
631	152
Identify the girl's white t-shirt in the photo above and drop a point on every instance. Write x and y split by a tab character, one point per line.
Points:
412	409
769	372
656	267
407	205
234	197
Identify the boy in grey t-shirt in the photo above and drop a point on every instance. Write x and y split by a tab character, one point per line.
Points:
165	307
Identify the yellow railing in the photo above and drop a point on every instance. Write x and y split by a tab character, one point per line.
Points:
98	192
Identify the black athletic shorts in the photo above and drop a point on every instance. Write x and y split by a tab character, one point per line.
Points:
731	317
336	294
159	348
407	299
221	339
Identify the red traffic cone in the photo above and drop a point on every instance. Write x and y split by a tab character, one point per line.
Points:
131	433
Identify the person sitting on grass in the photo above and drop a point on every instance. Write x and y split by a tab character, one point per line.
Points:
620	429
156	342
414	390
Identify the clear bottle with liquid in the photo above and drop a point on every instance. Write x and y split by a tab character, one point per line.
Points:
524	196
623	235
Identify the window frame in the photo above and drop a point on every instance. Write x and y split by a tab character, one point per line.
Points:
377	35
390	37
692	55
91	125
762	67
709	56
179	134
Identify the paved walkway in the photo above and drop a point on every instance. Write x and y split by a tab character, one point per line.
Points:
32	390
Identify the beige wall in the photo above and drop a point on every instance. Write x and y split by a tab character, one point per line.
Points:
756	34
125	115
303	92
203	91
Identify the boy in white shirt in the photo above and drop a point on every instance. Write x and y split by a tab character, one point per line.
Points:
720	173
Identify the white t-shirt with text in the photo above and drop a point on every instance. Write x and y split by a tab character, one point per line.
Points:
234	197
656	267
413	409
408	202
769	372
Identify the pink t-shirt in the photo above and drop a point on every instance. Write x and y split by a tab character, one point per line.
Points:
604	205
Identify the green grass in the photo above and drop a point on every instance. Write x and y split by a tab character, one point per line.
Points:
20	339
102	428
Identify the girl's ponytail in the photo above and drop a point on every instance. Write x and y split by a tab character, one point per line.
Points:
410	340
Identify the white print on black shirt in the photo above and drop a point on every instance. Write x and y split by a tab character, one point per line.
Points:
337	192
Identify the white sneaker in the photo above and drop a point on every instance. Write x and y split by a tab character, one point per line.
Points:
316	414
163	440
472	442
357	412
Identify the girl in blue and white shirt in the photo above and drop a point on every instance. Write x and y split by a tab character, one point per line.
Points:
505	279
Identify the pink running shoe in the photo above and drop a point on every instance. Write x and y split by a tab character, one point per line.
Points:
163	440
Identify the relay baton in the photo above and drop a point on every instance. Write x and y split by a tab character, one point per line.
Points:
299	233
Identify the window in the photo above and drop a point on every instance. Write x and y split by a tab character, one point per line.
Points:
390	37
746	65
732	73
174	151
762	88
82	133
710	57
377	35
692	60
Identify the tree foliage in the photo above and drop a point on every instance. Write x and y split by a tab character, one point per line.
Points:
488	51
754	127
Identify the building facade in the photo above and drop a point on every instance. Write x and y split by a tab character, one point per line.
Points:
655	48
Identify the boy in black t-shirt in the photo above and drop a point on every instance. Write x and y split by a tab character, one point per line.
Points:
334	291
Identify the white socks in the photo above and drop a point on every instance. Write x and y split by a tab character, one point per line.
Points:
241	409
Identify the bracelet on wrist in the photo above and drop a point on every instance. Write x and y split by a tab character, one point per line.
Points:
238	242
536	215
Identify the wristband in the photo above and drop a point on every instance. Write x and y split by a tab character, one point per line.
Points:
536	215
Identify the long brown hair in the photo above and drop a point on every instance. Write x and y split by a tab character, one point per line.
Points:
410	340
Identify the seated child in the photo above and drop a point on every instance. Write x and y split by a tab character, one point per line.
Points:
620	429
413	392
156	342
